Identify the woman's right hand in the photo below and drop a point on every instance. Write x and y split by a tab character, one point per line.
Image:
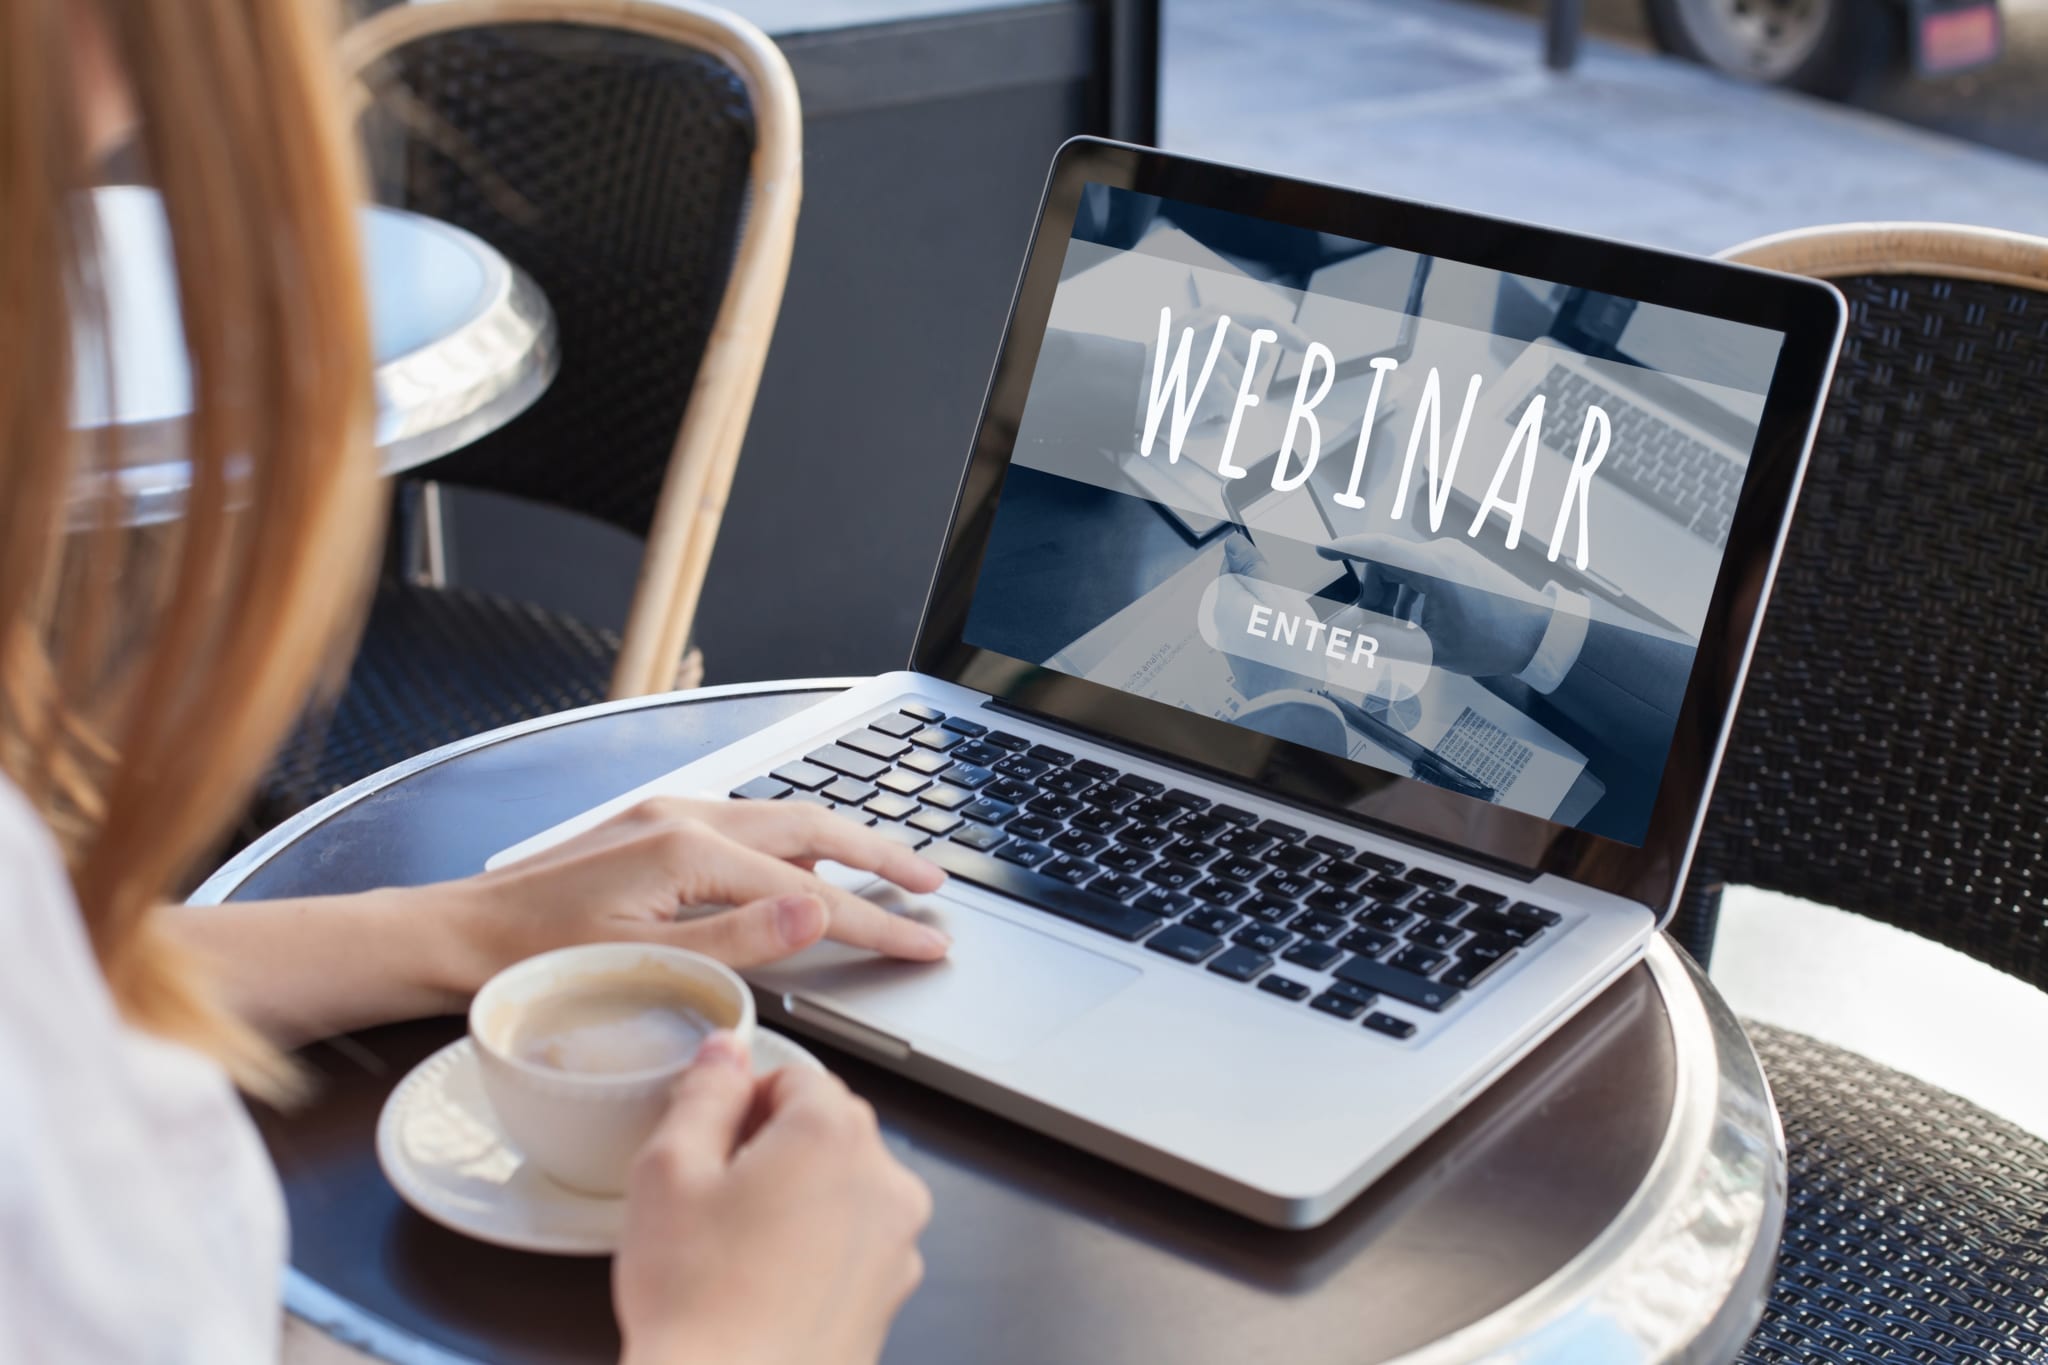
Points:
766	1223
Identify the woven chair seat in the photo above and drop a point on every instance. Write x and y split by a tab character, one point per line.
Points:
438	665
1917	1228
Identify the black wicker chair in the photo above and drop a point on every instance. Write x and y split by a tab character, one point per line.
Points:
641	163
1891	758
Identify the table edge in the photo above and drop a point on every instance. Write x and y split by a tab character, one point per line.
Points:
1700	1234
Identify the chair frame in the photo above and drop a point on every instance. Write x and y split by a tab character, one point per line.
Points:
1839	251
707	447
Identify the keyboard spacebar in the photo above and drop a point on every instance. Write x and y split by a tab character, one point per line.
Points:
1046	893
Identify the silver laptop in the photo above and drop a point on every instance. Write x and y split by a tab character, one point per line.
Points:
1264	859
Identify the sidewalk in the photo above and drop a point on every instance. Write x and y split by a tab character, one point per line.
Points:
1449	102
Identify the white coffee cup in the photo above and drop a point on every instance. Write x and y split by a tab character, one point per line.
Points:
582	1128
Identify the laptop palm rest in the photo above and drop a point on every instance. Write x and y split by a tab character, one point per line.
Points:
1003	989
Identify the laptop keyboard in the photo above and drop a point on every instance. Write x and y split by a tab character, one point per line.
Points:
1684	478
1309	919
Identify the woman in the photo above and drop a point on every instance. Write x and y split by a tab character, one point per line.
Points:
144	685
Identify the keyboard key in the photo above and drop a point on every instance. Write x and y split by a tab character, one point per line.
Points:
1219	892
1501	925
1144	786
1437	905
1352	992
847	791
978	753
902	783
1119	886
1036	828
1286	987
1069	869
1468	972
980	838
931	765
1098	821
1189	945
1054	806
988	812
809	776
1441	937
1390	980
1003	739
1316	924
935	739
1186	799
935	822
1331	901
1390	890
1342	1006
1419	960
1010	789
1268	910
1024	853
969	776
1054	897
1172	876
1366	942
1109	796
1535	914
1158	900
1286	885
1065	781
1293	857
898	726
860	767
1189	851
1021	766
903	834
1263	937
874	743
1153	810
1237	869
960	725
1312	955
1381	1022
1486	948
1124	858
1080	844
1285	833
760	789
1435	881
946	796
1093	771
1345	876
1200	825
1150	838
889	806
1240	964
1390	919
1045	753
1211	920
930	715
1330	848
1378	862
1481	897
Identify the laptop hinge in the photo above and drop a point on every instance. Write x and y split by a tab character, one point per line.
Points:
1346	817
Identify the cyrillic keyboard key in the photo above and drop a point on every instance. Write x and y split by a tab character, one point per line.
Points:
1024	853
1003	739
1481	897
1387	980
931	765
935	822
898	726
1211	920
1536	913
760	789
874	743
1286	987
1158	900
1422	961
980	838
969	776
1468	972
903	834
892	807
1117	886
902	783
934	737
1263	937
1286	833
1144	786
1045	893
809	776
986	812
960	725
1045	753
1430	934
846	761
1330	848
1312	955
1435	881
1236	815
1368	942
946	796
847	791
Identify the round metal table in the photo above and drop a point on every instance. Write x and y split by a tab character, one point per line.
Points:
1616	1198
464	342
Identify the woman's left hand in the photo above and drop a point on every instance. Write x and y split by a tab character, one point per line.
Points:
653	873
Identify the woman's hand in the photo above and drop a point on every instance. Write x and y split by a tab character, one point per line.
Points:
766	1224
738	872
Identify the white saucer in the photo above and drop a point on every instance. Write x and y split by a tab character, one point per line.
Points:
442	1150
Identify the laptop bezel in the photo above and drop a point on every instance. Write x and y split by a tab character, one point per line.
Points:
1810	315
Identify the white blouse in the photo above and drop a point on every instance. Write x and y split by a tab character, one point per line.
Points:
140	1219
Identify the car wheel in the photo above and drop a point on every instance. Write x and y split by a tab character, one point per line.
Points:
1825	47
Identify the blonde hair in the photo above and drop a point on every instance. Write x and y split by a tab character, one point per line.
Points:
147	676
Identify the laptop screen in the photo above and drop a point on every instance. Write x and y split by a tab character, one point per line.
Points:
1451	523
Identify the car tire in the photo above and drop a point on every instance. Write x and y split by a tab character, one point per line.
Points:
1833	48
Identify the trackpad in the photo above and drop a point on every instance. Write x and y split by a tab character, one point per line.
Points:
1001	990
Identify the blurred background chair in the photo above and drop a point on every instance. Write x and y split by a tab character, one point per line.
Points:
641	162
1890	758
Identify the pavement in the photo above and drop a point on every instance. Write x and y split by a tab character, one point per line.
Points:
1448	101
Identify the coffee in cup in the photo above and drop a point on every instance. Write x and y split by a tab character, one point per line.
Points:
579	1048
